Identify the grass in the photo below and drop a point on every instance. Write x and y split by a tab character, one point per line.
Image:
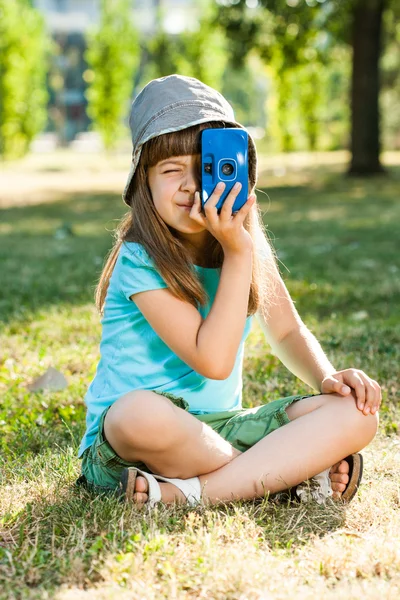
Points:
338	243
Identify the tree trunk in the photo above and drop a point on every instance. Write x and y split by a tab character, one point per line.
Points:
365	126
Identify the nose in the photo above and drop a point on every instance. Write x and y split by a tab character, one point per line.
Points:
192	180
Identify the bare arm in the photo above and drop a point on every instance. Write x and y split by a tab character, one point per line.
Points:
292	342
220	334
302	354
209	345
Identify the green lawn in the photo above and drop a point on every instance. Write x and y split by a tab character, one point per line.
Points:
338	243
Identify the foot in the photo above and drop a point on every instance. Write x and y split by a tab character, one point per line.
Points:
169	492
339	475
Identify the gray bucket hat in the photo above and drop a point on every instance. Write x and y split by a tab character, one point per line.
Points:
170	104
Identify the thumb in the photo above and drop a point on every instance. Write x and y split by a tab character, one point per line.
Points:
330	384
195	212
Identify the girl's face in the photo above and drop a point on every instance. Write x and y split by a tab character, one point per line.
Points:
172	183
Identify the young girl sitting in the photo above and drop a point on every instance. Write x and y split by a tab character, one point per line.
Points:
178	294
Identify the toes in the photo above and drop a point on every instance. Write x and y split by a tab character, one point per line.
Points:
341	467
140	498
141	490
141	484
340	478
338	487
334	468
344	467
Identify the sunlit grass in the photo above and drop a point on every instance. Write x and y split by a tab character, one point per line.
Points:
338	243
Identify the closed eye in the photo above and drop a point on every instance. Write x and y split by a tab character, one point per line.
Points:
171	171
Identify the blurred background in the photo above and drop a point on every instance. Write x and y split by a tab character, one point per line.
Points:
302	75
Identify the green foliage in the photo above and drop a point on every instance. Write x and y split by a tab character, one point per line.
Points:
390	80
287	39
278	31
163	56
306	45
311	110
112	56
285	108
203	52
246	88
310	79
200	53
24	49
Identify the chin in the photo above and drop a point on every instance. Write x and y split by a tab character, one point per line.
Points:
194	230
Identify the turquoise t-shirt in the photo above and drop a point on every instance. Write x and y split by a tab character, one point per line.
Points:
133	356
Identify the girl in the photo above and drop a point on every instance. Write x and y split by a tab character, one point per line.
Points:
178	293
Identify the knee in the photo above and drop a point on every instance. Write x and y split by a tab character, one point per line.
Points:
143	419
364	426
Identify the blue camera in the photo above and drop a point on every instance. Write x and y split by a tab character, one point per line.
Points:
224	157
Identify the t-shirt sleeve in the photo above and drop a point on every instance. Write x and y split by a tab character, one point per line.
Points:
136	271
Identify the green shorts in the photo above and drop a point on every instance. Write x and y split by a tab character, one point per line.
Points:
102	467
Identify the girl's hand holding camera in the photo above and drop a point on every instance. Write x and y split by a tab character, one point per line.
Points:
226	227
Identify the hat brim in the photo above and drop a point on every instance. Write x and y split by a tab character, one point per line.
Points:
154	132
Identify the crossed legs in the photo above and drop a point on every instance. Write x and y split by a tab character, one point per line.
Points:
144	426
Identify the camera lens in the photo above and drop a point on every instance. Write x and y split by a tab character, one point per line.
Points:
227	169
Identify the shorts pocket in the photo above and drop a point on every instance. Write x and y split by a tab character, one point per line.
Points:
101	479
177	400
104	455
249	430
249	426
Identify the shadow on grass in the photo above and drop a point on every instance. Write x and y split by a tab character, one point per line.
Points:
53	253
75	537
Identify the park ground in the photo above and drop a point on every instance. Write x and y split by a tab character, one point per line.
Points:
337	240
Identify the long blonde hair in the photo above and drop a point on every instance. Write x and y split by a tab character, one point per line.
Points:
143	224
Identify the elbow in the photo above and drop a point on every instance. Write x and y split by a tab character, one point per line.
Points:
218	372
220	376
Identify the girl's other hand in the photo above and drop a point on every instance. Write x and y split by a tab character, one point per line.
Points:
226	228
368	391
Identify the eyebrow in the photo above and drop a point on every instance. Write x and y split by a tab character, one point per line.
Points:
171	160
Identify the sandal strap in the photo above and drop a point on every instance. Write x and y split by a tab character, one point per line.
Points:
154	492
355	475
317	488
191	488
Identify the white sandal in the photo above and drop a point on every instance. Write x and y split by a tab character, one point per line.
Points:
318	488
191	488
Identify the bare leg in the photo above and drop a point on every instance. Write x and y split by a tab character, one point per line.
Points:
306	446
325	429
146	427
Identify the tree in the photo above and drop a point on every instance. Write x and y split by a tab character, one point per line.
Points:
353	22
24	53
290	48
112	55
365	124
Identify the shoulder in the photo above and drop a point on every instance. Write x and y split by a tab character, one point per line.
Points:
135	271
134	254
